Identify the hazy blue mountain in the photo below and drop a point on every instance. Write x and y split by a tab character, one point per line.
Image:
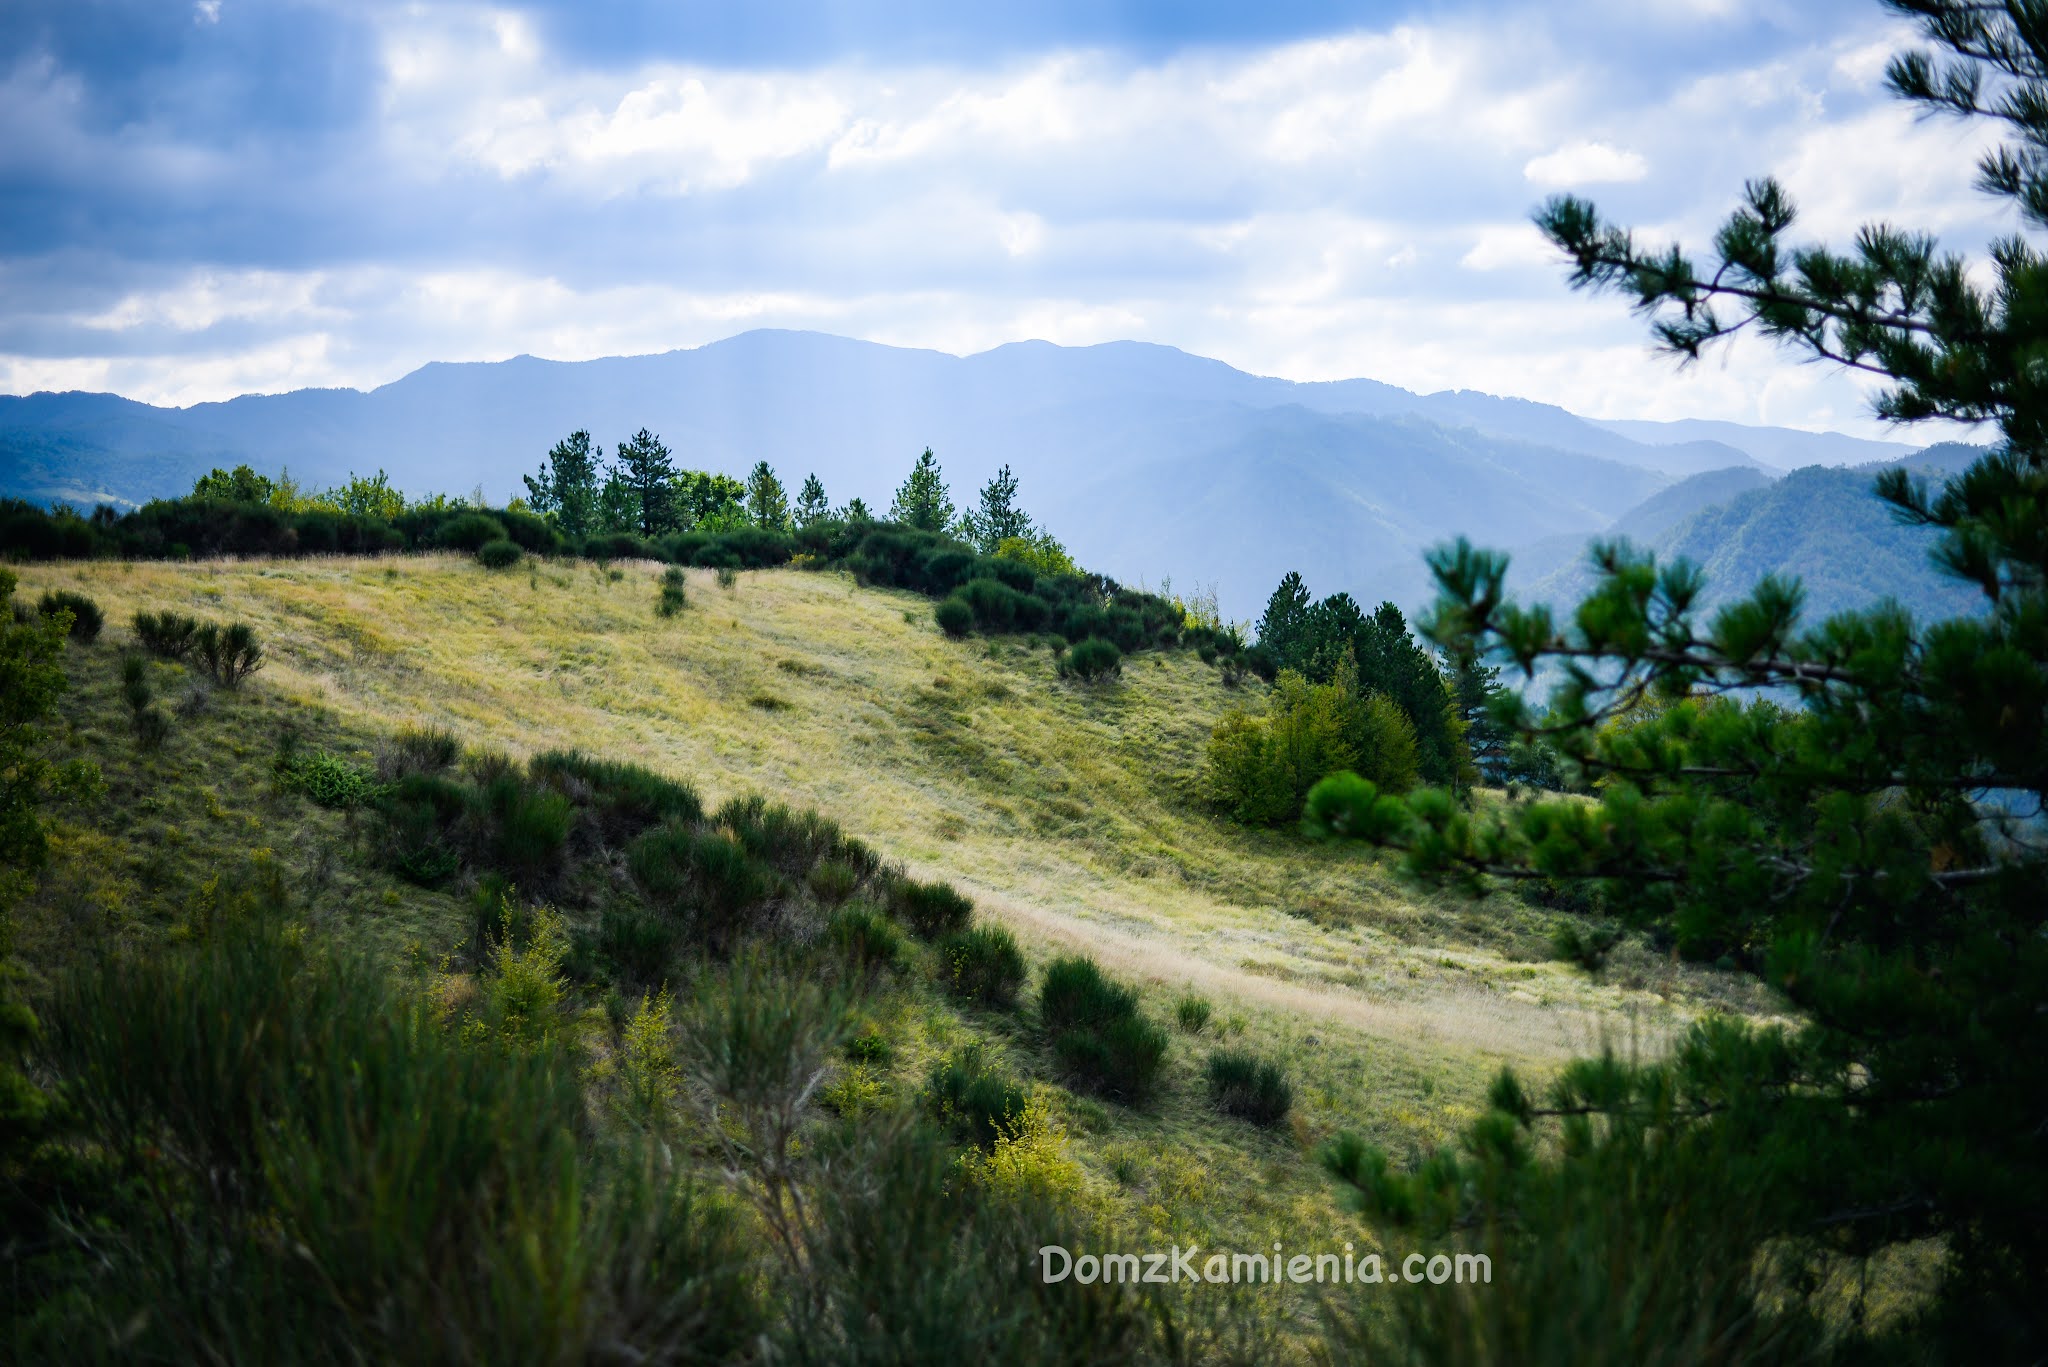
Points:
1668	507
1149	461
1822	526
1781	448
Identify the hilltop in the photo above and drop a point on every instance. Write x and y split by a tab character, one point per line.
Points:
1150	461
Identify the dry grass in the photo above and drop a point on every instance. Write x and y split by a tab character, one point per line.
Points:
1068	812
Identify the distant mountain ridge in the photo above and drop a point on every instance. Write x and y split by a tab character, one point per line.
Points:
1151	462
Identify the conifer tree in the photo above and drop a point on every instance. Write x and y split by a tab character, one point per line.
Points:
648	475
811	504
856	511
1848	809
767	503
567	485
998	519
923	501
1283	627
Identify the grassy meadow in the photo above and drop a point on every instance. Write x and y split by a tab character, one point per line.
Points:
1071	814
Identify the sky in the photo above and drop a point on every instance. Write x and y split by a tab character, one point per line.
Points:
204	199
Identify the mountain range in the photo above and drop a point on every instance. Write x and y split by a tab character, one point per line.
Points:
1149	462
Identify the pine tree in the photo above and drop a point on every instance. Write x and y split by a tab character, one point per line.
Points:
998	519
767	503
644	468
1283	627
811	505
923	501
567	484
856	511
1844	809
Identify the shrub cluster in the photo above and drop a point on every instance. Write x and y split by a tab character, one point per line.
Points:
931	910
1097	1034
673	599
229	654
86	618
983	965
499	554
1248	1087
966	1093
1092	661
167	635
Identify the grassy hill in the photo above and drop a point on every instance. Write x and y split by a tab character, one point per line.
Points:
1068	813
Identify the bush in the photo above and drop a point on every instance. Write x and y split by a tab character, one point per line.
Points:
527	825
135	682
1098	1037
1121	1060
328	780
982	965
471	532
86	618
229	654
637	942
498	555
1248	1088
930	909
167	635
152	727
624	799
1077	995
1193	1013
420	750
704	877
417	812
440	1191
954	616
1092	661
673	598
970	1097
866	936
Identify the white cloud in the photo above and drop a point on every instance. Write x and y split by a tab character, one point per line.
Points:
1508	245
1585	163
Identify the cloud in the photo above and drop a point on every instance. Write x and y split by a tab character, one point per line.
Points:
1585	163
321	194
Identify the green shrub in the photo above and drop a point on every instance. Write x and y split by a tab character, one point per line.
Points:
982	965
1193	1013
703	877
833	881
86	618
793	842
498	555
440	1192
1121	1060
1077	995
930	909
1098	1037
625	799
419	750
135	682
728	576
417	812
870	1046
528	827
471	532
229	654
673	598
966	1093
1092	661
1249	1088
638	943
954	616
152	727
165	634
328	780
866	936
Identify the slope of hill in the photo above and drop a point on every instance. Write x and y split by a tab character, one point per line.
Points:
1824	527
1064	810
